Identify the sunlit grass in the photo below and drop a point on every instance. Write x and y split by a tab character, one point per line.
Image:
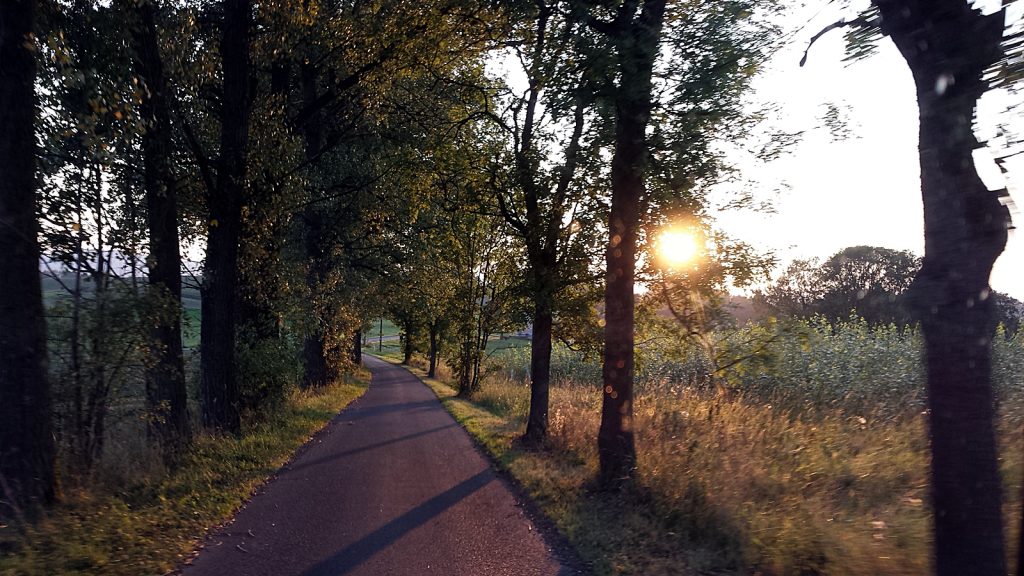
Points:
731	485
151	526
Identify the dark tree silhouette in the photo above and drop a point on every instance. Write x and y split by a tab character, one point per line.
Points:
869	280
218	372
948	46
635	35
536	207
165	379
26	442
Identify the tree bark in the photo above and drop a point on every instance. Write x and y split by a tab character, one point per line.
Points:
218	378
948	46
314	348
357	348
407	342
636	43
540	359
165	378
27	477
432	371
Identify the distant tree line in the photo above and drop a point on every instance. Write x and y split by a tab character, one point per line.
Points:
866	281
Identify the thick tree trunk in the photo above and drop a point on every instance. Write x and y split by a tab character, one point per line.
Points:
165	377
314	347
637	47
948	46
540	360
218	378
27	475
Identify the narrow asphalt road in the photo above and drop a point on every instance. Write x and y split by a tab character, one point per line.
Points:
392	487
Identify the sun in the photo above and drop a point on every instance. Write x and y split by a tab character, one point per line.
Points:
678	247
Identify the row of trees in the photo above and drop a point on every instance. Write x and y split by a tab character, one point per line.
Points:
322	150
281	137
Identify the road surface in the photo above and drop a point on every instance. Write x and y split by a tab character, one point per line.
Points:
393	486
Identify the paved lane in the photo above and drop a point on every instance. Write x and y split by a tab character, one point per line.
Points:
393	486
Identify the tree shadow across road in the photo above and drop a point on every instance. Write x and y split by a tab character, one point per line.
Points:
337	455
361	413
348	558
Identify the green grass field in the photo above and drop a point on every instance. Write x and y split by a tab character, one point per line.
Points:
191	321
497	347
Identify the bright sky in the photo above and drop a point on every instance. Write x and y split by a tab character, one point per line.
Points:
864	190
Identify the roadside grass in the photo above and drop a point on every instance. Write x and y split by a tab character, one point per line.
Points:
153	525
728	485
391	349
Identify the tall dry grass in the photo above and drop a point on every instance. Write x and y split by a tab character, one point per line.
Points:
768	481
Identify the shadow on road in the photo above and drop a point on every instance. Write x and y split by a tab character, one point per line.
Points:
360	413
352	556
338	455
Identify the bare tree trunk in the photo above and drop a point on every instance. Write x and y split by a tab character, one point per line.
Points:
26	439
432	371
218	373
407	330
636	42
314	346
79	432
357	347
948	46
98	386
165	377
540	360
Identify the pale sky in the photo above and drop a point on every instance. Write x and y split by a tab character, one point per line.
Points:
864	190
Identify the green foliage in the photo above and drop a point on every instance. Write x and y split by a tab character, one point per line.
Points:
269	370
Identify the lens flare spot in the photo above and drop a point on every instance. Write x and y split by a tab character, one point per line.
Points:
678	247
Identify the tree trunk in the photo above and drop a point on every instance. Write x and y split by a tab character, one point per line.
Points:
637	47
357	348
407	343
98	356
948	46
540	360
218	376
165	377
314	347
27	477
432	371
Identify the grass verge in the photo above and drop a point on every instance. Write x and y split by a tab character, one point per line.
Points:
728	486
152	526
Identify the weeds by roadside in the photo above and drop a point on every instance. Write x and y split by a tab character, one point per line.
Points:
729	483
